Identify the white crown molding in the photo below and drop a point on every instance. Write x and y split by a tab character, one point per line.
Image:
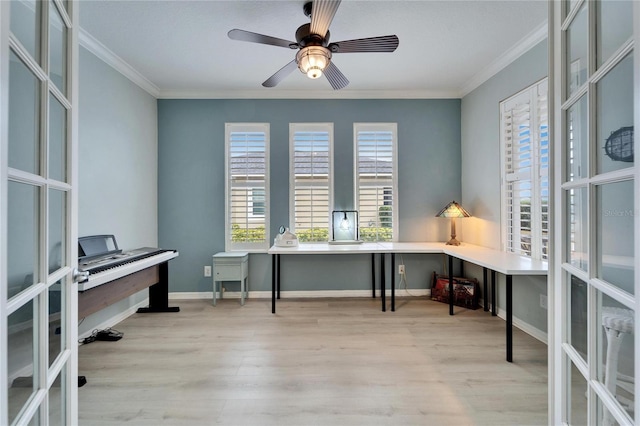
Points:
305	94
520	48
110	58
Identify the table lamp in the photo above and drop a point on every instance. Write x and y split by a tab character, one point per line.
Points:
453	210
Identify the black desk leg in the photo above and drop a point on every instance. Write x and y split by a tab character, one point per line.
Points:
373	275
278	275
509	319
393	282
494	304
485	296
273	283
450	285
383	279
159	293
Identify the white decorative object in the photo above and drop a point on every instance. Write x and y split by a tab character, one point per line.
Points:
286	238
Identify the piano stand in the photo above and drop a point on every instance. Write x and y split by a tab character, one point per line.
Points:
155	277
159	294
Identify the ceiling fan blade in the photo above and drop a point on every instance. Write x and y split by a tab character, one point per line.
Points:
387	43
336	78
322	13
243	35
280	74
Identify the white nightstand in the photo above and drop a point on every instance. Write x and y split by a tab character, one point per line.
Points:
231	266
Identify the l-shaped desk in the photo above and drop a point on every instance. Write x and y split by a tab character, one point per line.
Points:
509	264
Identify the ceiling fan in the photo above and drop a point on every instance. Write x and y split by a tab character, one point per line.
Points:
314	50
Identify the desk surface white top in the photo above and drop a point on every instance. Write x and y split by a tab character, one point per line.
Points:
499	261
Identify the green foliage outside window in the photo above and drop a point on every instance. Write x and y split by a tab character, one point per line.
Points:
250	235
376	234
313	235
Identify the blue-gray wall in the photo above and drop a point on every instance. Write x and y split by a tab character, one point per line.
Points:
117	165
481	174
191	182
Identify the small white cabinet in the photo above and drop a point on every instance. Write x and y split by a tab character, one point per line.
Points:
231	266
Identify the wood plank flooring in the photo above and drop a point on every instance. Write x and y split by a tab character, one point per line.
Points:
316	362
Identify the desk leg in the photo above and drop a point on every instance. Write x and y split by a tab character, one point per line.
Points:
273	283
278	275
450	285
393	282
485	295
509	318
494	304
159	293
373	275
383	279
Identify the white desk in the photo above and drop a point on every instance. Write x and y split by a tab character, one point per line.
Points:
325	248
508	264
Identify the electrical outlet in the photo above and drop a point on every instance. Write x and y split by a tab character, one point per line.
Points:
207	271
543	301
401	269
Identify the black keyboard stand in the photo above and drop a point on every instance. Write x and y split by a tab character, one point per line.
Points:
159	294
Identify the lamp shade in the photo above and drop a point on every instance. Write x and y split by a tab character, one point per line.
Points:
453	209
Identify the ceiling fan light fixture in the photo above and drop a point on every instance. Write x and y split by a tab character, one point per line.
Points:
312	60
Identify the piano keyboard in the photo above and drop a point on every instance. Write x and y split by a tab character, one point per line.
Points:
103	271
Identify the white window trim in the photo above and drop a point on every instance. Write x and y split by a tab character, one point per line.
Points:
308	127
257	247
387	127
530	94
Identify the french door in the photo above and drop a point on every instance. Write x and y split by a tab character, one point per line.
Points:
596	211
38	199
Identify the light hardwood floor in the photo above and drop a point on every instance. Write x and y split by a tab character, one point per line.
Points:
316	362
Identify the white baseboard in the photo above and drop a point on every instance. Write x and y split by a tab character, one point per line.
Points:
524	326
297	294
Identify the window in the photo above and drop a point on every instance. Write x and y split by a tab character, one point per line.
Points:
525	174
257	202
311	180
247	191
376	180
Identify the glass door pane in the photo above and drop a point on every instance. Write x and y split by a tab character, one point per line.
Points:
615	248
578	243
24	117
57	49
577	58
577	333
21	358
615	118
616	356
577	400
25	25
615	27
23	234
577	141
57	140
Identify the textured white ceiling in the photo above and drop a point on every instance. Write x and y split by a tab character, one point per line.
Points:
183	49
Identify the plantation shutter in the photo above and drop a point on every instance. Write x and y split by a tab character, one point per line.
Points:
543	169
376	181
525	142
311	180
247	189
518	165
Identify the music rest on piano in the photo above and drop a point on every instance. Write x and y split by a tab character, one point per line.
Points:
114	274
